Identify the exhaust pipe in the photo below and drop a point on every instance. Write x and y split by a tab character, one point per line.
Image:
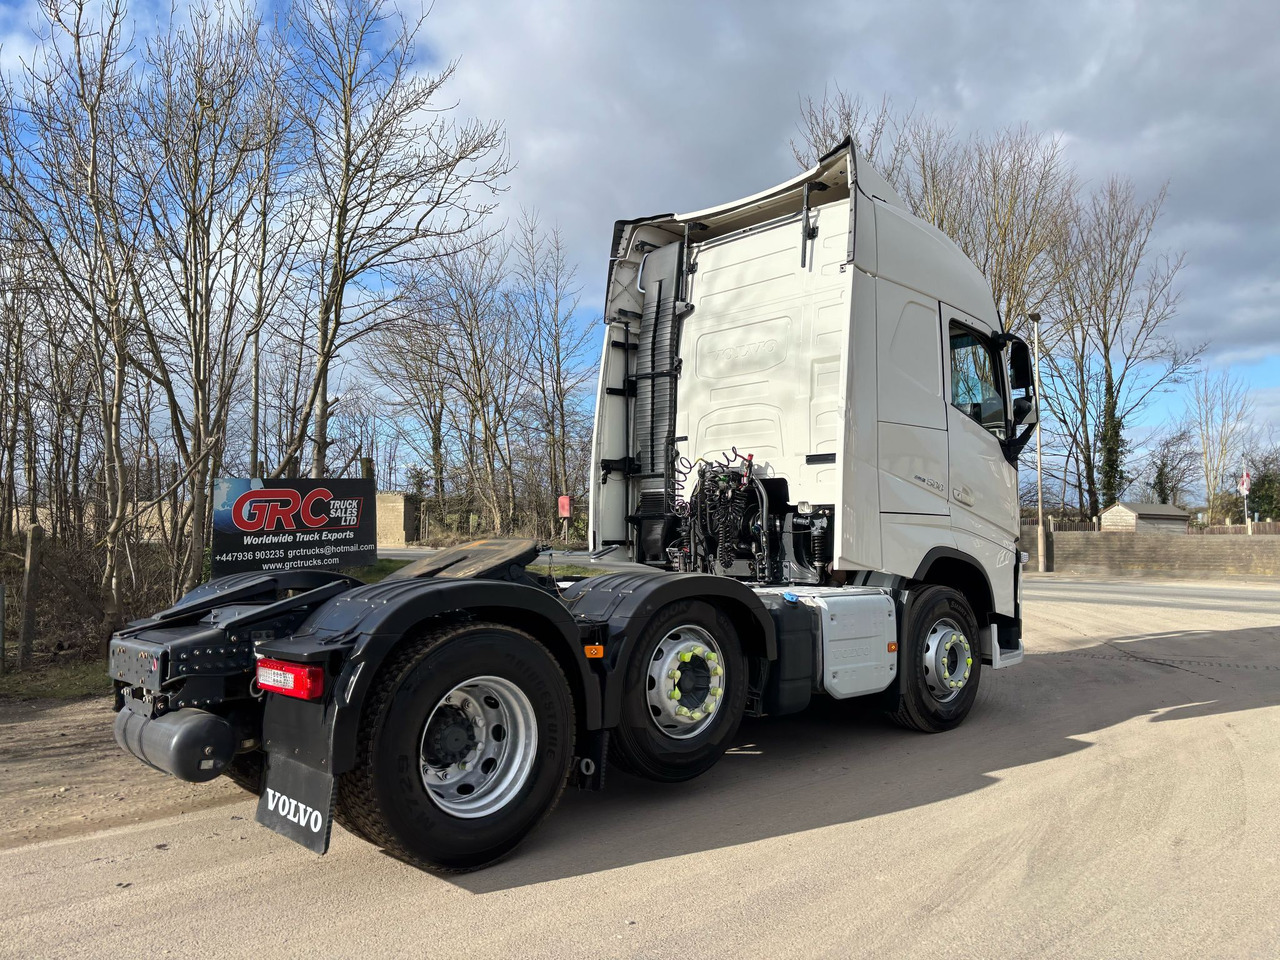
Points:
192	745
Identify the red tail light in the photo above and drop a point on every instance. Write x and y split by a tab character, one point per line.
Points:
302	680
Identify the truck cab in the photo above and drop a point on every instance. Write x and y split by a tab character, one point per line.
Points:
844	355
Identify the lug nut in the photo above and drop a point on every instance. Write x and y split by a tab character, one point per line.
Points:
674	674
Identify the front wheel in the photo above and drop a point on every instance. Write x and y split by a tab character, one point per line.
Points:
464	748
686	689
941	661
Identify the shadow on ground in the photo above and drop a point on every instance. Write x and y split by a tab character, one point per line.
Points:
841	763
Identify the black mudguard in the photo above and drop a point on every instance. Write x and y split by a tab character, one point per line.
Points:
624	603
355	632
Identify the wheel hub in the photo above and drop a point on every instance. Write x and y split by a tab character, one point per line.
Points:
451	735
947	658
478	746
685	682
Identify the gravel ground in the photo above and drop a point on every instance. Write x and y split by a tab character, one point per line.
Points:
1118	794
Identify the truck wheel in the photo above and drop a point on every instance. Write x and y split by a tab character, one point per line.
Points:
463	749
245	771
941	662
686	687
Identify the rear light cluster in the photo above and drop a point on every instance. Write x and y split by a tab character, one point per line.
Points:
302	680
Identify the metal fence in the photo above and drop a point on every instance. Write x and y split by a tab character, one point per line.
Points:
1073	526
1265	528
1261	528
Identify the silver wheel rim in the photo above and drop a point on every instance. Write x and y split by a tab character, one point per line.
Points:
478	747
947	660
685	686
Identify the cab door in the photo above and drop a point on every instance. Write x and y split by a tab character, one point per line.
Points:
982	487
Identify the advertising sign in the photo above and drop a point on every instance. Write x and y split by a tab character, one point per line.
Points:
285	524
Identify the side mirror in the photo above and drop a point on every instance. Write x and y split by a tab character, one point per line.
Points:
1024	411
1020	374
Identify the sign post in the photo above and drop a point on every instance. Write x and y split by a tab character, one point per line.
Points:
287	524
564	507
1245	483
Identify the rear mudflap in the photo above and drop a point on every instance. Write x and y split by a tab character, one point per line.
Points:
297	802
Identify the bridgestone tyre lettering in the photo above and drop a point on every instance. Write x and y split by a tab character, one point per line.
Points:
639	746
916	708
384	799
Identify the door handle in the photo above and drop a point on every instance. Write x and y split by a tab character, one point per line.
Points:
963	495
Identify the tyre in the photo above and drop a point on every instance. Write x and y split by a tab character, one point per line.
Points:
941	661
684	694
245	771
464	747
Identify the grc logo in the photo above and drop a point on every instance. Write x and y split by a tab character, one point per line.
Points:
270	509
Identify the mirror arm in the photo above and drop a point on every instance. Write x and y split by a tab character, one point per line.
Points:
1013	447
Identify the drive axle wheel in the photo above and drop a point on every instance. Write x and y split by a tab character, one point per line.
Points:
686	687
464	747
478	747
941	661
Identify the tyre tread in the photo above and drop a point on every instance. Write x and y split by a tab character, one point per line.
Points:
905	714
357	808
245	771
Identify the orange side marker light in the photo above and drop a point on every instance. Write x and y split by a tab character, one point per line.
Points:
594	651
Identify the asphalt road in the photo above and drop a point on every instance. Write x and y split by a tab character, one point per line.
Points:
1117	795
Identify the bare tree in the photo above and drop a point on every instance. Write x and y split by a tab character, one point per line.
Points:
1020	188
1112	352
480	351
1170	466
879	133
387	171
62	178
546	295
204	128
1003	198
404	360
1220	408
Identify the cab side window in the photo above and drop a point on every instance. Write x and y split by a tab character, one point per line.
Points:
975	388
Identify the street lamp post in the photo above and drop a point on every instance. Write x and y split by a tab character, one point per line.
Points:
1041	539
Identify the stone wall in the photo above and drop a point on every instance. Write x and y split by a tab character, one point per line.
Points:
1028	544
398	518
1162	554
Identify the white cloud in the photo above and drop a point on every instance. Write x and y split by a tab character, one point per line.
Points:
618	111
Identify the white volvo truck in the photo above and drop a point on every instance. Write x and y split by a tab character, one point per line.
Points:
807	431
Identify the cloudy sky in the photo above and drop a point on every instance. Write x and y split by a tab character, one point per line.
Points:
624	109
619	110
